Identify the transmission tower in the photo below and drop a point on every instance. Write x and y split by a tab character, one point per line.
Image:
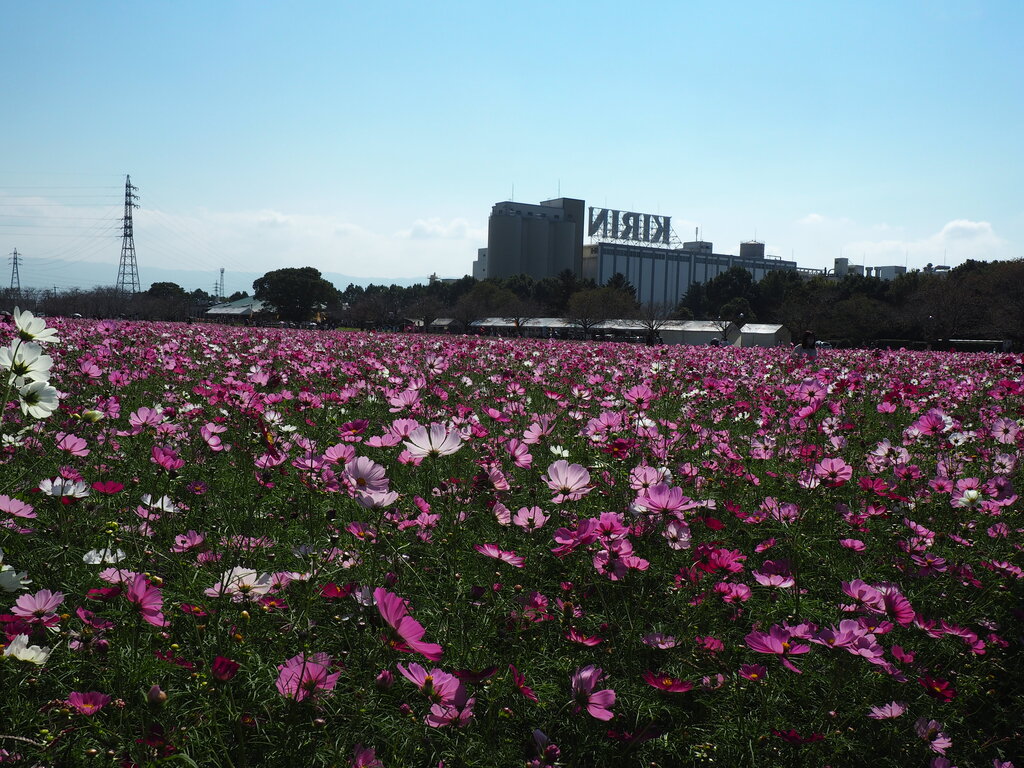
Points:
15	277
128	269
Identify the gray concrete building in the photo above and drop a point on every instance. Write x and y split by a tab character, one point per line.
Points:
537	240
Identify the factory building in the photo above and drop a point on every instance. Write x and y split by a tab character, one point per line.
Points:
664	275
545	239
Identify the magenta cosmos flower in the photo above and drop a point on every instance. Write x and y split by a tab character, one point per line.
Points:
435	441
598	703
87	703
302	677
569	481
777	641
667	682
492	550
407	633
149	600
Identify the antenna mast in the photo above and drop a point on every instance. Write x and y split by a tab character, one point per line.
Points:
128	268
15	277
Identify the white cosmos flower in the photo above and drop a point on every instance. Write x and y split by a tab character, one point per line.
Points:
38	399
435	441
242	584
32	328
26	361
12	580
20	649
60	486
105	555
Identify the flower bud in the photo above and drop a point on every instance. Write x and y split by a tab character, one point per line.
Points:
156	696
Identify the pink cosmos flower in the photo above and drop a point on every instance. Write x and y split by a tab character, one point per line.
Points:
665	500
777	641
166	458
667	682
223	668
302	677
437	685
888	711
149	600
931	731
435	441
186	541
365	475
519	680
87	704
598	703
39	608
660	641
16	507
569	481
364	757
520	453
678	535
407	632
492	550
530	518
578	637
833	472
753	672
73	444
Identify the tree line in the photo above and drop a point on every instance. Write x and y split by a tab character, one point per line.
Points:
974	300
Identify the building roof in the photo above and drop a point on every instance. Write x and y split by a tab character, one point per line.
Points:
765	328
248	305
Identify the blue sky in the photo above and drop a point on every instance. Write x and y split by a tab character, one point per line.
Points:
371	139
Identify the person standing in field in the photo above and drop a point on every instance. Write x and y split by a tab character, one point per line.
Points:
807	349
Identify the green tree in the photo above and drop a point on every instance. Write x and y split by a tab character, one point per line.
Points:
294	292
734	283
166	291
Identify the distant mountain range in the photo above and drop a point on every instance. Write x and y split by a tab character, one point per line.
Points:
86	275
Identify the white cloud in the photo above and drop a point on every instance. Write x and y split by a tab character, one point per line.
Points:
956	242
456	229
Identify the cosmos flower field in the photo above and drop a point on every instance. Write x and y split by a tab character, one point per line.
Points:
262	547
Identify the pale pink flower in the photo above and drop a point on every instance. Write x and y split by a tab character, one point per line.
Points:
530	518
241	584
888	711
436	440
492	550
39	608
569	481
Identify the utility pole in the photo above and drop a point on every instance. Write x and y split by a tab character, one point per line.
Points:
15	277
128	268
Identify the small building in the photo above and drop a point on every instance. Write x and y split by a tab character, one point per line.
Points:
246	308
764	335
700	332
